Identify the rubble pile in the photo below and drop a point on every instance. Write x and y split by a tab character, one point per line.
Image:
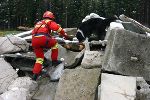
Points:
118	72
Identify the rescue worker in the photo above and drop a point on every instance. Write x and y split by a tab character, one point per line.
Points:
42	38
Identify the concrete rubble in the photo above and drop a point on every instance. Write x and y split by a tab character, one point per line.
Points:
68	56
118	72
143	89
128	54
7	75
10	44
116	87
20	89
78	84
46	91
13	87
92	59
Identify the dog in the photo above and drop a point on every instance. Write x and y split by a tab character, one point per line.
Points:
94	27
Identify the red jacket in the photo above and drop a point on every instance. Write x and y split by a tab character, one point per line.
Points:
46	25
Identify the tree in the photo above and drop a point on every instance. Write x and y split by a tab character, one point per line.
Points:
69	13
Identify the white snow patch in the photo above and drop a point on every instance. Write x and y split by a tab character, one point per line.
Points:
116	25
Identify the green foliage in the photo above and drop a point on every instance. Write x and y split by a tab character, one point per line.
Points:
69	13
7	32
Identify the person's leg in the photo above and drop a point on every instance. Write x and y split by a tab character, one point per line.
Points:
54	51
54	54
38	43
39	61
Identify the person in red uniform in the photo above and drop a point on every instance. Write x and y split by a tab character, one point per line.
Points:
42	38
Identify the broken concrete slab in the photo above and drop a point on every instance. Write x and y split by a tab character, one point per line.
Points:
68	56
1	98
143	89
131	27
10	44
137	24
7	75
16	94
20	89
23	82
46	91
127	53
56	72
92	59
78	60
78	84
116	87
24	34
18	60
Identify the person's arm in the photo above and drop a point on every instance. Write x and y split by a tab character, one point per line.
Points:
55	27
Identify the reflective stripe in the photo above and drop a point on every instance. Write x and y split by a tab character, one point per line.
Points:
42	25
36	26
39	60
39	36
46	21
55	46
59	29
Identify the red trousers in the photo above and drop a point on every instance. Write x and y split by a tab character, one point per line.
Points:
38	44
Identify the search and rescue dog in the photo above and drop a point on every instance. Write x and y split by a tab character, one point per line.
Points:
95	27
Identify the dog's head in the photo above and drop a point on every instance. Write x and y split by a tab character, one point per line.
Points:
80	36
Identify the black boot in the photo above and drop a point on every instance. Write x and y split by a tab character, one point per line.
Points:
34	77
55	63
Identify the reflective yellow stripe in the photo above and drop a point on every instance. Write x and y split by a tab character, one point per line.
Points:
39	60
59	29
36	26
43	26
55	46
39	36
46	21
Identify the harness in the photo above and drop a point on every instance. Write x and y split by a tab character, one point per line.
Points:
41	34
36	35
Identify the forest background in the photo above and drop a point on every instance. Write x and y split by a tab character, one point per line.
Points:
69	13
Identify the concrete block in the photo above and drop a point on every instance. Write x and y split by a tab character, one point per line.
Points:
7	75
69	56
143	89
23	82
78	84
92	59
10	44
16	94
127	53
116	87
46	91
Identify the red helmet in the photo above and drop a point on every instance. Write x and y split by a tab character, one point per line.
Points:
48	14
